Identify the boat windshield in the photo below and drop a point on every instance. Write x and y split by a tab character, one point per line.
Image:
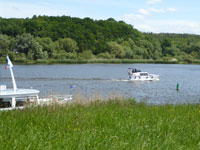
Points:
143	74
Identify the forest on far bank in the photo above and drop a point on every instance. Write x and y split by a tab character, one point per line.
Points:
65	37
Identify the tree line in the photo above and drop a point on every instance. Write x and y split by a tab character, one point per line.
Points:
47	37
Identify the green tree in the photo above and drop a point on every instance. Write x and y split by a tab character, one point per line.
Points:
47	45
166	43
146	49
36	52
172	51
105	55
24	43
68	45
5	45
196	50
86	55
116	49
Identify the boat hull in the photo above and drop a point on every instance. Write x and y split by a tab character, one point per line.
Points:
143	78
148	79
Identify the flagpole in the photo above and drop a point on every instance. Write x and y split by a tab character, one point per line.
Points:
13	79
10	65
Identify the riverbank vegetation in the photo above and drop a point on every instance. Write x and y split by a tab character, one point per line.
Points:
66	39
112	124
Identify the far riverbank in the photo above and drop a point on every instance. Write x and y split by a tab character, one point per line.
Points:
96	61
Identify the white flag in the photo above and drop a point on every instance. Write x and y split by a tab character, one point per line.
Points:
9	62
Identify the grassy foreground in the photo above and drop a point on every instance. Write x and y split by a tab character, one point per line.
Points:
115	124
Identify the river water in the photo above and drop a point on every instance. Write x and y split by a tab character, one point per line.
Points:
110	80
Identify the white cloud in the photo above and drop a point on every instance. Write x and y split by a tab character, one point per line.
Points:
133	18
153	1
137	21
153	10
163	26
143	11
144	27
157	10
171	9
177	26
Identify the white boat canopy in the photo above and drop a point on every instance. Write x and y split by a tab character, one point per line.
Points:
9	93
16	92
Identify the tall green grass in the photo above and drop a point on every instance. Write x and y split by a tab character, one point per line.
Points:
112	124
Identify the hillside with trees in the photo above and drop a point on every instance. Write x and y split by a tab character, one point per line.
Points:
70	38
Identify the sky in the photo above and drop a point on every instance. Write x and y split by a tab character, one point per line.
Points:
157	16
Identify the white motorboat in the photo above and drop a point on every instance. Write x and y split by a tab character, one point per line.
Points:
137	75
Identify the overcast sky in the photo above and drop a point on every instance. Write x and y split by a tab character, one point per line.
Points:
172	16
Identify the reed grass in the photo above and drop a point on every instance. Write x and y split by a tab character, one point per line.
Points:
94	61
112	124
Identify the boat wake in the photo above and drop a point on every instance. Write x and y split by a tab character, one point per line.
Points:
66	79
120	80
56	79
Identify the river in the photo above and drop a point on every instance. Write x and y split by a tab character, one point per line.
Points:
109	80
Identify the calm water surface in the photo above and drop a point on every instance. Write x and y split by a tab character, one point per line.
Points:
108	80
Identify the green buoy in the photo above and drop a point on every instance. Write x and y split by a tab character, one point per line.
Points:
177	86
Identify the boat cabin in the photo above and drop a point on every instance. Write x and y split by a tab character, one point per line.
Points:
133	70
